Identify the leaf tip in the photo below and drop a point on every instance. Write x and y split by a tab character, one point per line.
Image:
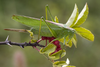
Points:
13	15
86	3
75	5
92	37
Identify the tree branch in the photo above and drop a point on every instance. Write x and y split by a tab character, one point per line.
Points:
6	42
21	44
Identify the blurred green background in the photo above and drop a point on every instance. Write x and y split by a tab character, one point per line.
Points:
87	54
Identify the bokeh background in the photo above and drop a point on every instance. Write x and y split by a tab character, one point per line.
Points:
87	54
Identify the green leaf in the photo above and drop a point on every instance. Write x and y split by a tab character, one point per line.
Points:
74	40
57	55
56	66
73	17
59	63
56	19
48	49
82	16
68	41
70	66
84	33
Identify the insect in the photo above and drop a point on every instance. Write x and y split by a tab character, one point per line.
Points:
57	32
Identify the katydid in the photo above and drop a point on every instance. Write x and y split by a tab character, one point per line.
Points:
64	33
48	28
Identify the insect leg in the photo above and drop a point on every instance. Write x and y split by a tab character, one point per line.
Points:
39	29
71	36
47	8
51	30
63	45
55	19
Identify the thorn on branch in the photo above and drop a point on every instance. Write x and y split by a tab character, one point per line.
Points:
7	41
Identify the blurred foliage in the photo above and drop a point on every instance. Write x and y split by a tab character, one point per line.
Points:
87	54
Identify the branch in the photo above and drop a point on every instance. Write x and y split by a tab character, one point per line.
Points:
20	44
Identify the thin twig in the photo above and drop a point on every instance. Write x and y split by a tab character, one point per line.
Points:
7	42
21	44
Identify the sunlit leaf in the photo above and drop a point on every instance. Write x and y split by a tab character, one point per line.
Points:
57	55
74	40
48	49
56	66
73	17
84	33
58	63
69	44
56	19
70	66
82	16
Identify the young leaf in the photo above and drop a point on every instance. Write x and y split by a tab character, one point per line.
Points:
84	33
69	44
70	66
73	17
59	63
56	19
82	16
74	40
48	49
58	55
66	43
67	64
